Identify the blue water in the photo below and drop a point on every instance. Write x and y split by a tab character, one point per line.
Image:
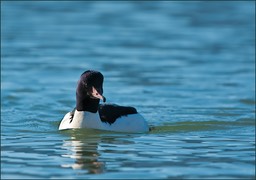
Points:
188	68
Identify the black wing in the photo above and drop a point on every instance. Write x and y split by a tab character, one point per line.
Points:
110	112
72	115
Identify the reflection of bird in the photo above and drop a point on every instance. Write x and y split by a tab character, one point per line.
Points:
83	148
90	114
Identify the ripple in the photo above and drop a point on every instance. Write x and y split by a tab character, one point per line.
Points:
247	101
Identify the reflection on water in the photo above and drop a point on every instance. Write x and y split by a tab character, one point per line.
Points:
98	152
131	156
83	148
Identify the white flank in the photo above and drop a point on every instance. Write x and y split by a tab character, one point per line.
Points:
133	123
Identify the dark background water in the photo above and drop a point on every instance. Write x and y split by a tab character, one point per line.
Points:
188	68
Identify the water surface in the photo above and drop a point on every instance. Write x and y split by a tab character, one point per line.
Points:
188	68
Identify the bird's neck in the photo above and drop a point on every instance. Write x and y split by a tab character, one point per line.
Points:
87	104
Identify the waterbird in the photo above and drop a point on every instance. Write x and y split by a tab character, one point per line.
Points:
89	113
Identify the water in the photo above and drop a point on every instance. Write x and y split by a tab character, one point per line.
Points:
188	68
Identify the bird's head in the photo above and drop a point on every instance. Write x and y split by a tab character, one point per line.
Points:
91	84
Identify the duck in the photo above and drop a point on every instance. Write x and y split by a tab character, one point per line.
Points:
90	113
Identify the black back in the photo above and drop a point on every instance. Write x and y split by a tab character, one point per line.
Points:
110	112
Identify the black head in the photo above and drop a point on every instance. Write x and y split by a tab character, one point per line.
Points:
89	91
